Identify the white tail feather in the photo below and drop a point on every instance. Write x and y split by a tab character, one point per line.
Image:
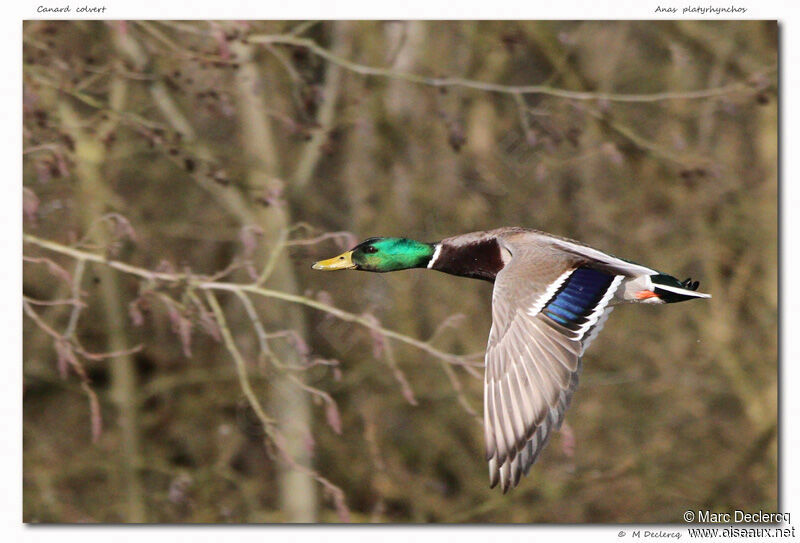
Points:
682	291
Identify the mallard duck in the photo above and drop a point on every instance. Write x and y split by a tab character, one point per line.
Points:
551	297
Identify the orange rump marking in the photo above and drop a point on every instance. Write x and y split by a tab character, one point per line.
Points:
645	294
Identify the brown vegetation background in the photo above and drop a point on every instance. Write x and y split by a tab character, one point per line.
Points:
182	363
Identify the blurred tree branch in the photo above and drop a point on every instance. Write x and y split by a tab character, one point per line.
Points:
439	82
95	196
199	282
191	282
342	44
270	426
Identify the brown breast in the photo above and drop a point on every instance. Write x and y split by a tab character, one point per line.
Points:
478	259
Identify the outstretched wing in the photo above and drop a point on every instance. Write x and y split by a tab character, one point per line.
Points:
543	318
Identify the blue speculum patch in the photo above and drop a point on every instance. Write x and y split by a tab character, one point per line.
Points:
577	297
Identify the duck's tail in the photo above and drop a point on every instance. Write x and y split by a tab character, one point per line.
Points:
670	290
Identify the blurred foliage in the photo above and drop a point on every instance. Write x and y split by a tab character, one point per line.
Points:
677	407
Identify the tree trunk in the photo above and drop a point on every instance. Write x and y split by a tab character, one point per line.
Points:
94	196
290	405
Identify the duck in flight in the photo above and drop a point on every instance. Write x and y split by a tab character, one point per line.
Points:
551	297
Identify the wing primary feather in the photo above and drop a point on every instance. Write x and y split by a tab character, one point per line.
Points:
504	476
508	479
537	410
525	358
494	473
563	403
553	415
525	391
515	397
531	458
542	388
499	429
516	471
491	448
537	449
505	414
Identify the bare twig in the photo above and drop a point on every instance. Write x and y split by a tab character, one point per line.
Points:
267	423
343	236
261	333
272	259
66	354
303	27
241	366
49	330
644	144
325	116
201	283
76	295
459	390
66	301
439	82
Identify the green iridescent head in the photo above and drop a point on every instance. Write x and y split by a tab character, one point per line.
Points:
381	255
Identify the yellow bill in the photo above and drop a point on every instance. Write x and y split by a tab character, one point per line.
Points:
342	262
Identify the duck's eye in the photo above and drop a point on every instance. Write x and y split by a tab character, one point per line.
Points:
369	249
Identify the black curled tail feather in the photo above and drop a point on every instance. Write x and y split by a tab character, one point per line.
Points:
670	290
689	285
